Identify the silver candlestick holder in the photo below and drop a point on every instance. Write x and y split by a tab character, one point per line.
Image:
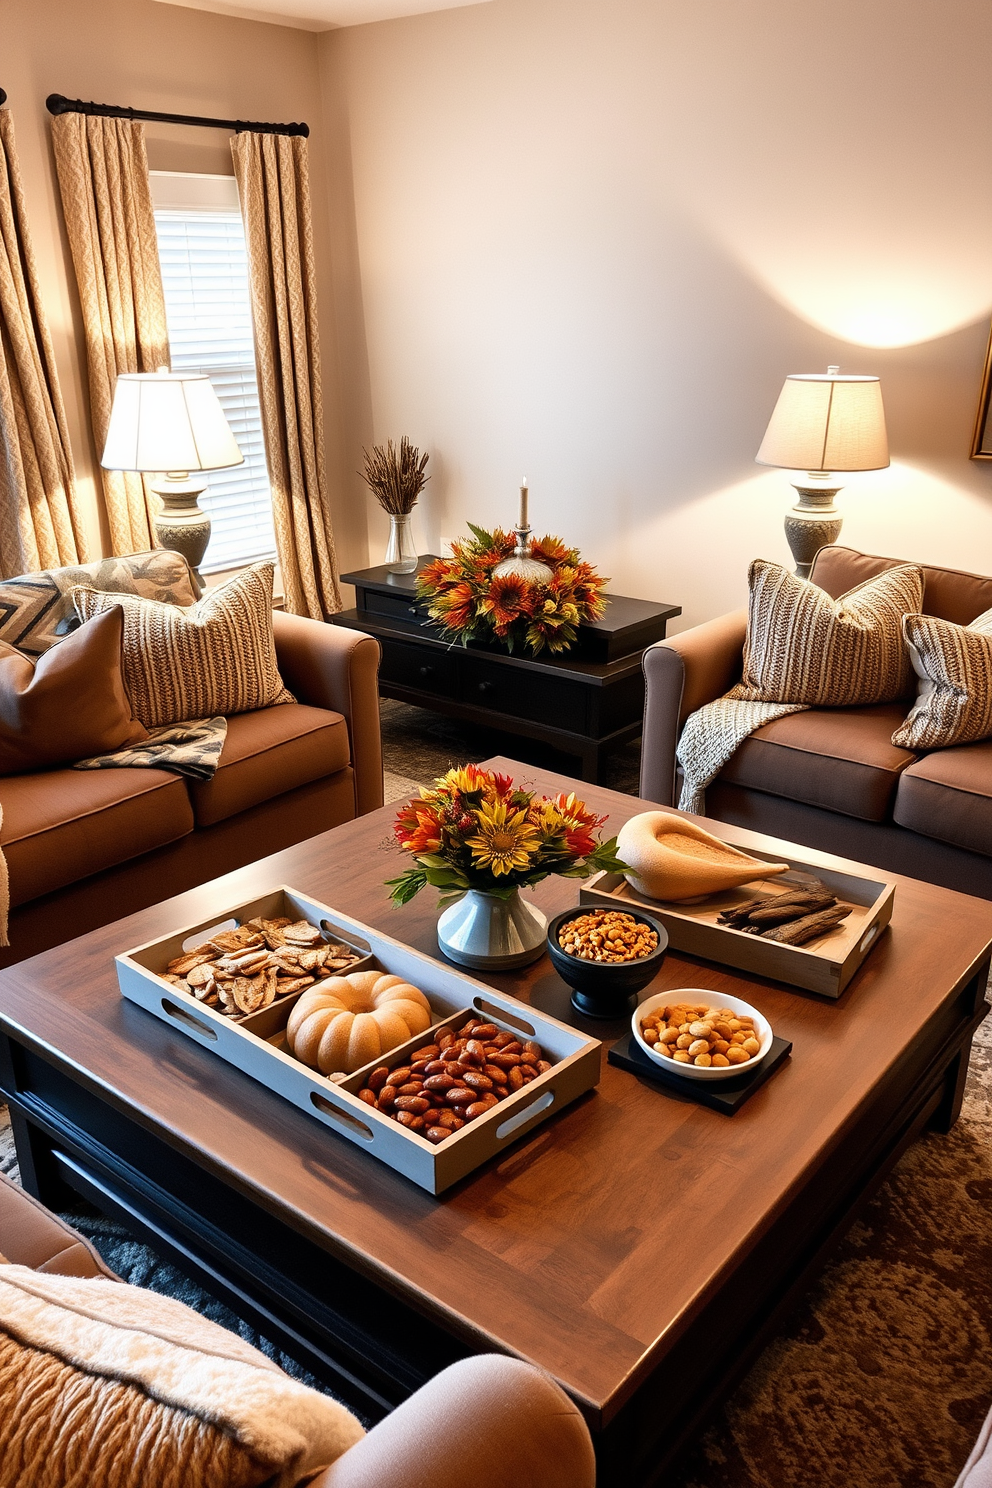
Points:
522	565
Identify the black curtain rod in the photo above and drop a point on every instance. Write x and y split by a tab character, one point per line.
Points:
56	104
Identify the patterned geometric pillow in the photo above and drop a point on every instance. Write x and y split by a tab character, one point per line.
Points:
36	610
804	647
954	665
216	657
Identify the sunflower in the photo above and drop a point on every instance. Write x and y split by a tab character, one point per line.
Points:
467	780
505	840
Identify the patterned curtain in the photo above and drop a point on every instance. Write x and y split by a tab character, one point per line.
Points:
106	198
274	186
40	525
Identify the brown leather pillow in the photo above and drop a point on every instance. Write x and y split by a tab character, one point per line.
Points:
69	704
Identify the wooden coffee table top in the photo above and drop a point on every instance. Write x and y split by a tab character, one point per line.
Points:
594	1243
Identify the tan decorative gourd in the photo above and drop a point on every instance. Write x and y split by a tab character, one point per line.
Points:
348	1021
671	858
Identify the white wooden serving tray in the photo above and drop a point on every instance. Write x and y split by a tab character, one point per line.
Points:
825	965
256	1044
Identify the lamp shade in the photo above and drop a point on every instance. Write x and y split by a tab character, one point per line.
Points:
823	421
168	421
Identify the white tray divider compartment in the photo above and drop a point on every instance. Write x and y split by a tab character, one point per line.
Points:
252	1044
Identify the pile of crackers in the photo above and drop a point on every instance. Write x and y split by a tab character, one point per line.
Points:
239	971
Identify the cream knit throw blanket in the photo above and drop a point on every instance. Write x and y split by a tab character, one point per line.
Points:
712	734
113	1386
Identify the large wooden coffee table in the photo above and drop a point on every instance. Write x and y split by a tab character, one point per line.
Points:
639	1246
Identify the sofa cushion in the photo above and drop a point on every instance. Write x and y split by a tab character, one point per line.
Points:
948	795
214	657
68	704
267	753
803	647
954	665
145	1390
62	825
842	759
948	593
36	609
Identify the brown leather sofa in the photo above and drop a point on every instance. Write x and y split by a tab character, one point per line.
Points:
84	847
831	778
488	1421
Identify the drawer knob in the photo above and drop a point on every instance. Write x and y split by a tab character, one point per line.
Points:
485	687
413	609
427	671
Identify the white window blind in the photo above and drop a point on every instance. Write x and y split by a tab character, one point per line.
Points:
201	245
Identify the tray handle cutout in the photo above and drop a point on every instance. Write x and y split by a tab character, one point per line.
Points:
324	1107
866	942
200	937
519	1118
348	936
492	1011
193	1024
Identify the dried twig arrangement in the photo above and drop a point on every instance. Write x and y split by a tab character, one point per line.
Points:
396	480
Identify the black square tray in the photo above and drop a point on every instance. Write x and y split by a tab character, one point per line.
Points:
720	1095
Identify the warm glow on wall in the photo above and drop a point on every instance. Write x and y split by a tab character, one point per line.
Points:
884	310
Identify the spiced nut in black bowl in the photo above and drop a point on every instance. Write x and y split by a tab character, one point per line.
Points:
604	988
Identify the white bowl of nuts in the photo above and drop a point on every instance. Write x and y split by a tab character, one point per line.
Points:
700	1034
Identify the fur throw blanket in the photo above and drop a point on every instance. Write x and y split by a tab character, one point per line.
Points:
113	1386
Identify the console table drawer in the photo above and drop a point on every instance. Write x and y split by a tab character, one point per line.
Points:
393	606
521	694
426	667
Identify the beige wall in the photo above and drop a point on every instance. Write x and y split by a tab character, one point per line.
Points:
177	60
594	236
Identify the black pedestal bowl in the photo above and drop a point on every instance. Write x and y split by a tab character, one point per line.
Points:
605	989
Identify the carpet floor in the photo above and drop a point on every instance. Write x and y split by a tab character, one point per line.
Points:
883	1374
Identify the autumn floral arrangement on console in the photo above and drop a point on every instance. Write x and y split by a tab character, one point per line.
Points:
478	838
469	601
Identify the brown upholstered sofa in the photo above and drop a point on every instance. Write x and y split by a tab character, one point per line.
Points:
831	778
85	847
488	1421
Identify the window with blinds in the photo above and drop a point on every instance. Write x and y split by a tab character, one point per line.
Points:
201	246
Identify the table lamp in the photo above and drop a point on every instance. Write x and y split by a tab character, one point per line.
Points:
823	423
172	422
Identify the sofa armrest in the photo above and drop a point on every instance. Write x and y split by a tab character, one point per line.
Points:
330	666
488	1421
681	674
30	1235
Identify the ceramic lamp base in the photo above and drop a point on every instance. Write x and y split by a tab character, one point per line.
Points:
181	526
487	932
813	523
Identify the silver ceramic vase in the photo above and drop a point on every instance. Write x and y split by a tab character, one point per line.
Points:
485	931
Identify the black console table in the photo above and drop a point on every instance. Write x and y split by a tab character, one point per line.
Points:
585	702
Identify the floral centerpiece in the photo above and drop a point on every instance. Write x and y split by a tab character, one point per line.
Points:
478	838
469	602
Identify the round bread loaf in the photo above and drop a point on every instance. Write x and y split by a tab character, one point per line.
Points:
348	1021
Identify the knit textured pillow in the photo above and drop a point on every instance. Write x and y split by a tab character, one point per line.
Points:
954	665
804	647
111	1386
217	656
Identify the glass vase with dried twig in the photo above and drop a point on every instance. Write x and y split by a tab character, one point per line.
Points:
396	478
